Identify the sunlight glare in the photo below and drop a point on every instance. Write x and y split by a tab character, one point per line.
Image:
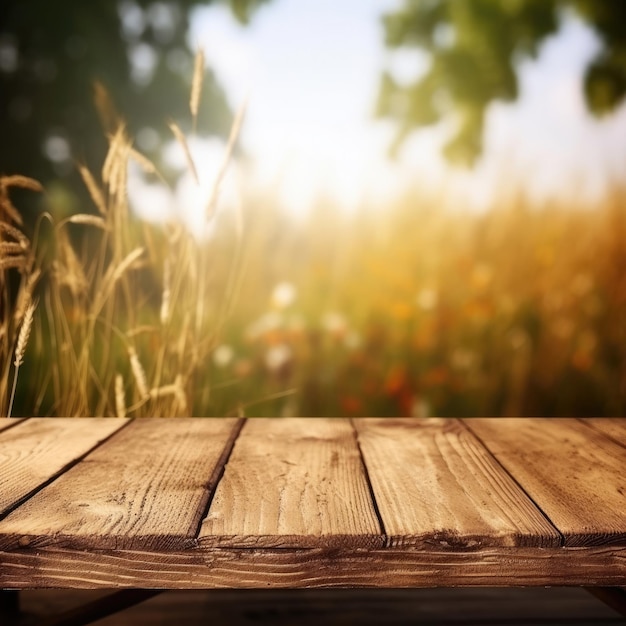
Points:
189	201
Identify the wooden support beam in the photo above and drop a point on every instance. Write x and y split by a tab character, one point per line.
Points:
615	597
101	608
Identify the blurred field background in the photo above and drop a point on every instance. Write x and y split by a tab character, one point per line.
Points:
291	266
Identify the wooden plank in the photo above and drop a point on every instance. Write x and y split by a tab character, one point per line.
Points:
146	488
293	482
576	476
310	568
10	422
436	486
37	450
612	427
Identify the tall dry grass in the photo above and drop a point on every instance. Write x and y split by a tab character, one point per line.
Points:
124	325
419	309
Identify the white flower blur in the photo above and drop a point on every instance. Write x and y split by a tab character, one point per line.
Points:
277	357
223	355
283	295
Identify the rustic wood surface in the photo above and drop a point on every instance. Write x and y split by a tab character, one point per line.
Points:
436	485
146	489
613	428
8	422
313	568
293	483
573	473
291	503
36	451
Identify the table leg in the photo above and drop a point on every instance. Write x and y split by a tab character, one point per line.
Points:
9	606
100	608
615	597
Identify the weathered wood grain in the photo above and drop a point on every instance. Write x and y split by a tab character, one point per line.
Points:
35	451
9	422
613	427
310	568
146	488
576	476
436	486
293	482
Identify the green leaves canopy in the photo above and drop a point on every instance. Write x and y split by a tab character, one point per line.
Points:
52	54
473	47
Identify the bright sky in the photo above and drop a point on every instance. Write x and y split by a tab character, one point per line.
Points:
311	69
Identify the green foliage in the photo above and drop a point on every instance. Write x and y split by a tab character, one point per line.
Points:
52	54
473	47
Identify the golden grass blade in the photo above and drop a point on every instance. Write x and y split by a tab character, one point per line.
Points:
167	293
180	137
16	234
126	264
10	247
139	373
25	296
146	164
115	159
230	146
68	270
113	274
120	396
181	396
20	350
23	182
143	161
88	220
8	207
196	86
160	392
13	262
108	115
22	339
93	189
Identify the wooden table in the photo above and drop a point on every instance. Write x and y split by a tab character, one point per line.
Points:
286	503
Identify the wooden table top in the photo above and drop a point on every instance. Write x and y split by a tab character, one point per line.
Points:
291	502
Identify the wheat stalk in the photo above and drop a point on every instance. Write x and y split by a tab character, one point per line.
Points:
196	86
88	220
9	209
167	293
180	137
23	182
181	396
93	189
25	295
20	350
17	262
230	146
138	373
120	396
10	247
15	233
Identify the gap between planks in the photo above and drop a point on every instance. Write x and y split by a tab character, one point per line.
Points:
512	477
148	489
368	480
574	474
438	487
85	442
612	428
